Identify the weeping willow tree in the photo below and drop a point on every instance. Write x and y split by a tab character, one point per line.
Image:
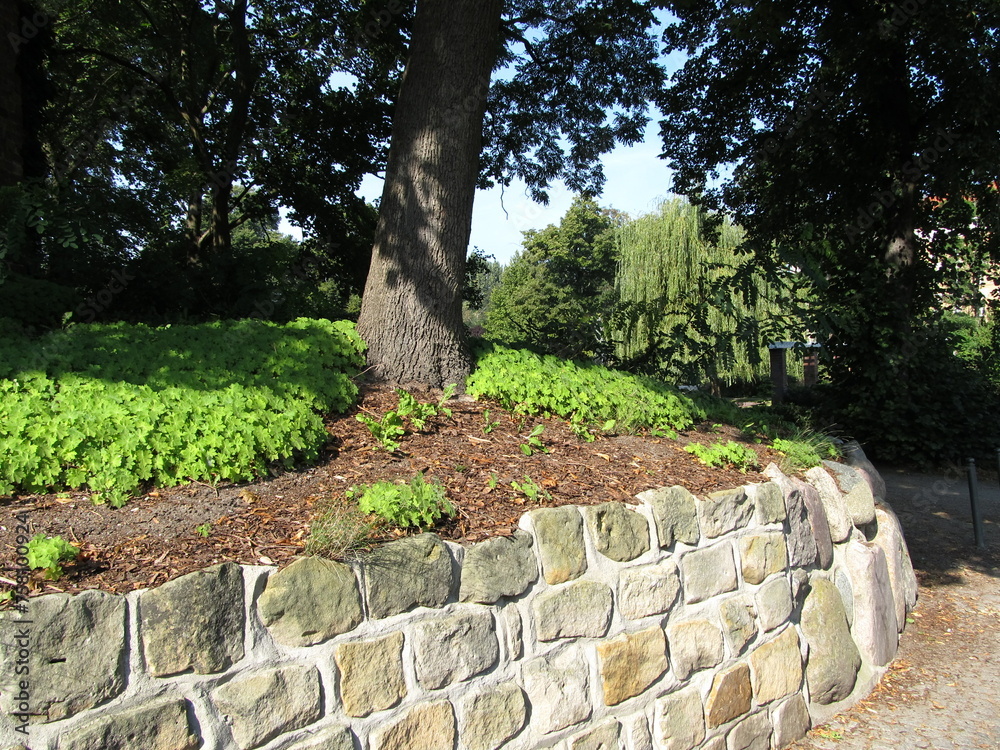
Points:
690	307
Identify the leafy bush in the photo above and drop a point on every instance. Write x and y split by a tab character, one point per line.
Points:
917	402
49	553
391	424
111	406
417	504
582	393
731	454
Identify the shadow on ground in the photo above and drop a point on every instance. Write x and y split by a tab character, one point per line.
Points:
936	515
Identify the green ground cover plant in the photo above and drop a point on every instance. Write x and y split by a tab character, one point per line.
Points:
728	454
418	504
392	425
584	394
48	554
108	407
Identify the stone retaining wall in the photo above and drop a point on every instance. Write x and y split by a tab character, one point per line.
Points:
727	622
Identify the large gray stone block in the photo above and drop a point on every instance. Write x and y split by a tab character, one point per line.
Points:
679	720
762	555
310	601
724	511
790	720
752	733
648	589
875	628
73	648
855	457
331	738
774	603
453	649
776	667
708	571
491	717
833	659
837	515
619	533
819	523
604	736
769	502
857	492
422	727
695	644
904	581
559	536
739	622
573	610
194	622
408	573
558	688
258	707
674	513
162	724
498	567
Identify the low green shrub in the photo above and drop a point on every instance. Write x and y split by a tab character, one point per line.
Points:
48	553
109	407
732	453
585	394
418	504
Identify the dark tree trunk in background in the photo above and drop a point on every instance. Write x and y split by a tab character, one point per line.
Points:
411	311
11	117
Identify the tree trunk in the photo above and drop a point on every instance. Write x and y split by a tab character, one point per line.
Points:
411	312
11	123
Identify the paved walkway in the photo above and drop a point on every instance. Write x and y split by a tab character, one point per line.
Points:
943	690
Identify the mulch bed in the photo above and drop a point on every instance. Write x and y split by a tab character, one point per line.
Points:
155	537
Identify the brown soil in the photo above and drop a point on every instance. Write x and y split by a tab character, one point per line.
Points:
155	537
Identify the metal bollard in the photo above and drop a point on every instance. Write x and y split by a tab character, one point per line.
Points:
977	518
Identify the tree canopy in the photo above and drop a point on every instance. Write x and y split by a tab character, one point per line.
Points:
558	291
853	142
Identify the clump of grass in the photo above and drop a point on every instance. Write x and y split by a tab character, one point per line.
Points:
341	531
805	449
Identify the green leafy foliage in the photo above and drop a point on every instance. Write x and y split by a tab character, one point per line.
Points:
533	442
530	489
391	425
108	407
385	429
204	530
732	453
557	292
582	393
49	553
418	504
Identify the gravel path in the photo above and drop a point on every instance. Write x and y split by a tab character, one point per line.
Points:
943	690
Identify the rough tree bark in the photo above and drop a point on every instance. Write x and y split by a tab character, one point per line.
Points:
411	311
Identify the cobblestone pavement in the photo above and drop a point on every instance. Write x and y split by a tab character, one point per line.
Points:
943	690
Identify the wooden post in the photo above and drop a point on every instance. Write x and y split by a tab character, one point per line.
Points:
779	370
